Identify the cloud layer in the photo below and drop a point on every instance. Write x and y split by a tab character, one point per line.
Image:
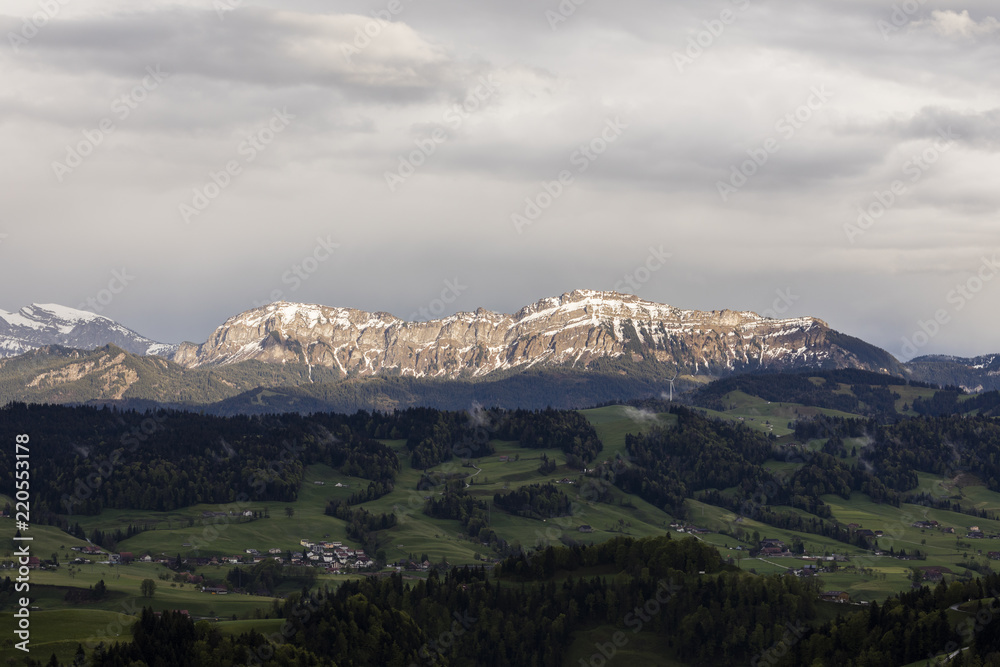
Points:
839	152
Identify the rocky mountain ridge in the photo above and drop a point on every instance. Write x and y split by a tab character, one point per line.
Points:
974	374
578	349
40	325
572	330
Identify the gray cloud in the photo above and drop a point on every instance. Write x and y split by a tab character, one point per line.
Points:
976	129
254	46
358	117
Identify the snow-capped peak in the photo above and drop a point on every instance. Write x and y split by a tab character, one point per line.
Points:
575	328
48	315
43	324
63	312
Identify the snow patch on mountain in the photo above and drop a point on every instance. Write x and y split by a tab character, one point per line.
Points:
576	329
42	324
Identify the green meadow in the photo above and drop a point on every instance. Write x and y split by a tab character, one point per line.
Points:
59	625
767	416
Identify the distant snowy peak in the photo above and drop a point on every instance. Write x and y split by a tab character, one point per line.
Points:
42	324
575	329
49	317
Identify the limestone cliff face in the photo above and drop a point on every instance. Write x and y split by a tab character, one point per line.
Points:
573	329
109	372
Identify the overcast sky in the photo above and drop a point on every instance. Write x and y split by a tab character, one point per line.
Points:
712	155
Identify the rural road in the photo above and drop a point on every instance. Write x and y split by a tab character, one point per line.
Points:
478	470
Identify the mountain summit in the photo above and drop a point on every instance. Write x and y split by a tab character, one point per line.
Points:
580	348
43	324
574	329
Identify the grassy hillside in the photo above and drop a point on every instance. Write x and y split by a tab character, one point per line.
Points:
185	532
767	416
62	375
109	375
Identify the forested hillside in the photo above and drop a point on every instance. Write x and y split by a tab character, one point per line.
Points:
677	593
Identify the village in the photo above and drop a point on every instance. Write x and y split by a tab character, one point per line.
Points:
807	565
331	557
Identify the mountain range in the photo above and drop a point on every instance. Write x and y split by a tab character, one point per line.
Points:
42	324
576	349
573	330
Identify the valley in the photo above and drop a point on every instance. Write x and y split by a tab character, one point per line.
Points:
597	510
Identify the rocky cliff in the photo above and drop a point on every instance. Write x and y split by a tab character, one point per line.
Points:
574	329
